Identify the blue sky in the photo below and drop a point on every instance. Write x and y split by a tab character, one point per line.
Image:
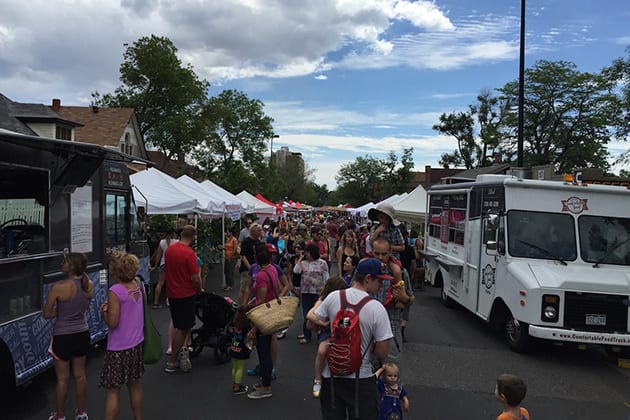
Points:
341	78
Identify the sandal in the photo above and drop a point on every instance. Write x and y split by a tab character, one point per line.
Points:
303	341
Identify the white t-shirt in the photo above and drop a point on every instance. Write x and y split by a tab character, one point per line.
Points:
373	321
165	245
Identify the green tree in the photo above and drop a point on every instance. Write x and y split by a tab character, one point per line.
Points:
166	96
569	116
477	132
371	179
236	131
619	72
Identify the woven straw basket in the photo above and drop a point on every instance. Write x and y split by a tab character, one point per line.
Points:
275	315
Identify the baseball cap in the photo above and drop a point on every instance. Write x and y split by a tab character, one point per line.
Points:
372	266
272	248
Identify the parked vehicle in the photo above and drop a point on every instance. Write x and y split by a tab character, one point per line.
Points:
56	196
537	258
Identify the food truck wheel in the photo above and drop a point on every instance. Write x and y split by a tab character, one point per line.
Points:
7	384
516	334
446	300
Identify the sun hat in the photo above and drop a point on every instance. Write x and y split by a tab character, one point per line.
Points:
372	266
386	209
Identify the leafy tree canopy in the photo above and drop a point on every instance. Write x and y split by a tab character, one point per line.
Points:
236	131
167	97
371	179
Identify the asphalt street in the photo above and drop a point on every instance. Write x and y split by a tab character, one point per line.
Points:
449	368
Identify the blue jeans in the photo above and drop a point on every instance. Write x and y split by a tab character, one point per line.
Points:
308	301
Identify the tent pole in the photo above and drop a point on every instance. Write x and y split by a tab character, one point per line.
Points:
223	243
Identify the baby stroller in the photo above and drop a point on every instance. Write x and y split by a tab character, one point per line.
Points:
216	314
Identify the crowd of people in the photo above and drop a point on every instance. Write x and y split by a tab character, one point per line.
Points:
330	264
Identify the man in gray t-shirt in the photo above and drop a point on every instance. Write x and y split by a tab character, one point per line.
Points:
375	335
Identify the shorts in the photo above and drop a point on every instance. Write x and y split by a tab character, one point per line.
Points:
67	346
183	312
122	367
323	335
245	281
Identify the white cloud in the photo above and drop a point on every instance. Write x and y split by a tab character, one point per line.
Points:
321	77
327	153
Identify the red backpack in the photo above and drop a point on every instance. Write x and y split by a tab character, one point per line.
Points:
344	353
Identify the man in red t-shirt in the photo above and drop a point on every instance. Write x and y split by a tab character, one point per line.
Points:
183	282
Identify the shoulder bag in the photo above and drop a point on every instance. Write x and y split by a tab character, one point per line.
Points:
152	345
275	315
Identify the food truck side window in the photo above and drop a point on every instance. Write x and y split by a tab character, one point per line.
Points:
23	204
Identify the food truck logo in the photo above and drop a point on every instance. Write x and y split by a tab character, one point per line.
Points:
575	205
488	276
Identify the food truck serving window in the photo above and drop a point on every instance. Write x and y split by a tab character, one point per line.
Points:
23	211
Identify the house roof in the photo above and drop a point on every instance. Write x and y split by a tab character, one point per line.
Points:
102	126
13	116
471	174
174	168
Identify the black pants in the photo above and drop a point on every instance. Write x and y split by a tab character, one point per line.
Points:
263	347
342	404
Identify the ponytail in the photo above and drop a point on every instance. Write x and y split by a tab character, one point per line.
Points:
85	282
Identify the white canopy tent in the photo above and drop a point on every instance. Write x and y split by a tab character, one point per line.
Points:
261	208
160	193
229	201
412	207
361	211
392	199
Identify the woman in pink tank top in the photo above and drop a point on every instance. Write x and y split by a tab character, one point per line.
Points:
124	315
68	302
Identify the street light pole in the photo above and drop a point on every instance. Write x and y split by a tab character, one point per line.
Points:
521	90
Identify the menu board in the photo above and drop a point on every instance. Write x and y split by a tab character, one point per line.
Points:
81	220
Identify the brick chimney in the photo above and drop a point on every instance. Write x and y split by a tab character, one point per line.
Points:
56	104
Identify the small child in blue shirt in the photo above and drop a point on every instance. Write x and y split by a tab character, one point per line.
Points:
393	395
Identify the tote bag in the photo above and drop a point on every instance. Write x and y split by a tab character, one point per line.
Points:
152	346
275	315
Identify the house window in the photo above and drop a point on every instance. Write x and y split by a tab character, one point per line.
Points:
122	147
63	133
129	149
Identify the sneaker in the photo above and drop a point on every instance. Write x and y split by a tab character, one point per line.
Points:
242	389
317	387
184	360
53	416
258	394
273	375
254	372
171	367
81	416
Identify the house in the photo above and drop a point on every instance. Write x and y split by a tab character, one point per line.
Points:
35	120
114	128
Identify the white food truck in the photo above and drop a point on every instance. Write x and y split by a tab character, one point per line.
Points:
536	258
